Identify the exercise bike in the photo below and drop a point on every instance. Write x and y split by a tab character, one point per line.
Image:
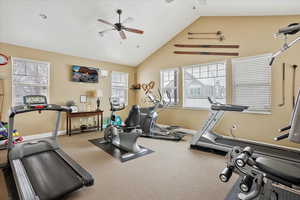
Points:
149	117
124	137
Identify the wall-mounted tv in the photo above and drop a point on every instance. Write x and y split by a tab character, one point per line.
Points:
85	74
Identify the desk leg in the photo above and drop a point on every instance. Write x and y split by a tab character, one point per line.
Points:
98	123
102	121
67	127
70	126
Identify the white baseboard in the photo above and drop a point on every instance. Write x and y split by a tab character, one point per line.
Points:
42	135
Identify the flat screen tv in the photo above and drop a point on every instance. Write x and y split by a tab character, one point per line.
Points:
85	74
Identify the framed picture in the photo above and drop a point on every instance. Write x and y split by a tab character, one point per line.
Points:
83	98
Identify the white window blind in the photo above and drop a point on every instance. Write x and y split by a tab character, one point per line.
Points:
169	82
202	81
252	82
29	77
119	86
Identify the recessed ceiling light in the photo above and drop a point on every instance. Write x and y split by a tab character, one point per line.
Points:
43	16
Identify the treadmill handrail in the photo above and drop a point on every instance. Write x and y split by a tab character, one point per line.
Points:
32	108
226	107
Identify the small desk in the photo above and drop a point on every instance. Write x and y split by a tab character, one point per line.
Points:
97	113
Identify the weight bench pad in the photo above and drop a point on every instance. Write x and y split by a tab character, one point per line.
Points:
286	171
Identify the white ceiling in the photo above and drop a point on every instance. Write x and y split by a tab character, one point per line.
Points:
72	28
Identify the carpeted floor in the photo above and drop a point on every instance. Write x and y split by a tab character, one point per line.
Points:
172	172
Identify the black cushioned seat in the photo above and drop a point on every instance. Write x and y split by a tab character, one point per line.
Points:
133	119
286	171
50	175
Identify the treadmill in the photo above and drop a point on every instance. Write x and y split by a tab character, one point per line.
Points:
208	140
41	170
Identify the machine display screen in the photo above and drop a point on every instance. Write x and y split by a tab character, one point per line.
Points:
35	99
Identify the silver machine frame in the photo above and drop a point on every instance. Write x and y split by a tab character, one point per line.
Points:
243	161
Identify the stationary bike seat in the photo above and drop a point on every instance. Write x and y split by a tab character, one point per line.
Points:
285	171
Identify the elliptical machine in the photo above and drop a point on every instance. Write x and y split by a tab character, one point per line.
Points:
124	137
149	116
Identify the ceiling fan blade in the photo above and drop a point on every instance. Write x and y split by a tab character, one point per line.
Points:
105	31
128	20
105	22
122	34
133	30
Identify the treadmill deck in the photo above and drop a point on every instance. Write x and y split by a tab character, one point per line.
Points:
50	175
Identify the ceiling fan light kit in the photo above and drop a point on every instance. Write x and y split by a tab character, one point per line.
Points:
119	26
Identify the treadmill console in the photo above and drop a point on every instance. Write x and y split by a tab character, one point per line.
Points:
34	99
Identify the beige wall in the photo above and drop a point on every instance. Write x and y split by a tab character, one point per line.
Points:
61	88
255	36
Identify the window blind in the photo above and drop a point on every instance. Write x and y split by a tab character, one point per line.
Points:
169	82
29	77
119	86
252	82
202	81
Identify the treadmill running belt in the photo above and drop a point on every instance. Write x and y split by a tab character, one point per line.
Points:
51	177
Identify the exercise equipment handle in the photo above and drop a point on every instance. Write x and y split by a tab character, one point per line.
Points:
289	29
285	128
271	61
210	100
281	137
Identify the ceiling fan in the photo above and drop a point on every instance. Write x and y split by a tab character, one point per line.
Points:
119	26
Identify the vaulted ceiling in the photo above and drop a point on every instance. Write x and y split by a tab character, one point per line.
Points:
71	27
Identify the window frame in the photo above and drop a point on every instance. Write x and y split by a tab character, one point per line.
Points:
13	59
177	85
183	83
127	84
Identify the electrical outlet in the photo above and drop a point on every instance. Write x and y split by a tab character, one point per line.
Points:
234	126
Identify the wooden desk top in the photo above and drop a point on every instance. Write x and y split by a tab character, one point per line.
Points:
82	114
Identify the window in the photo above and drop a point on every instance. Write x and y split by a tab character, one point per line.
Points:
169	82
202	81
119	86
252	82
29	77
